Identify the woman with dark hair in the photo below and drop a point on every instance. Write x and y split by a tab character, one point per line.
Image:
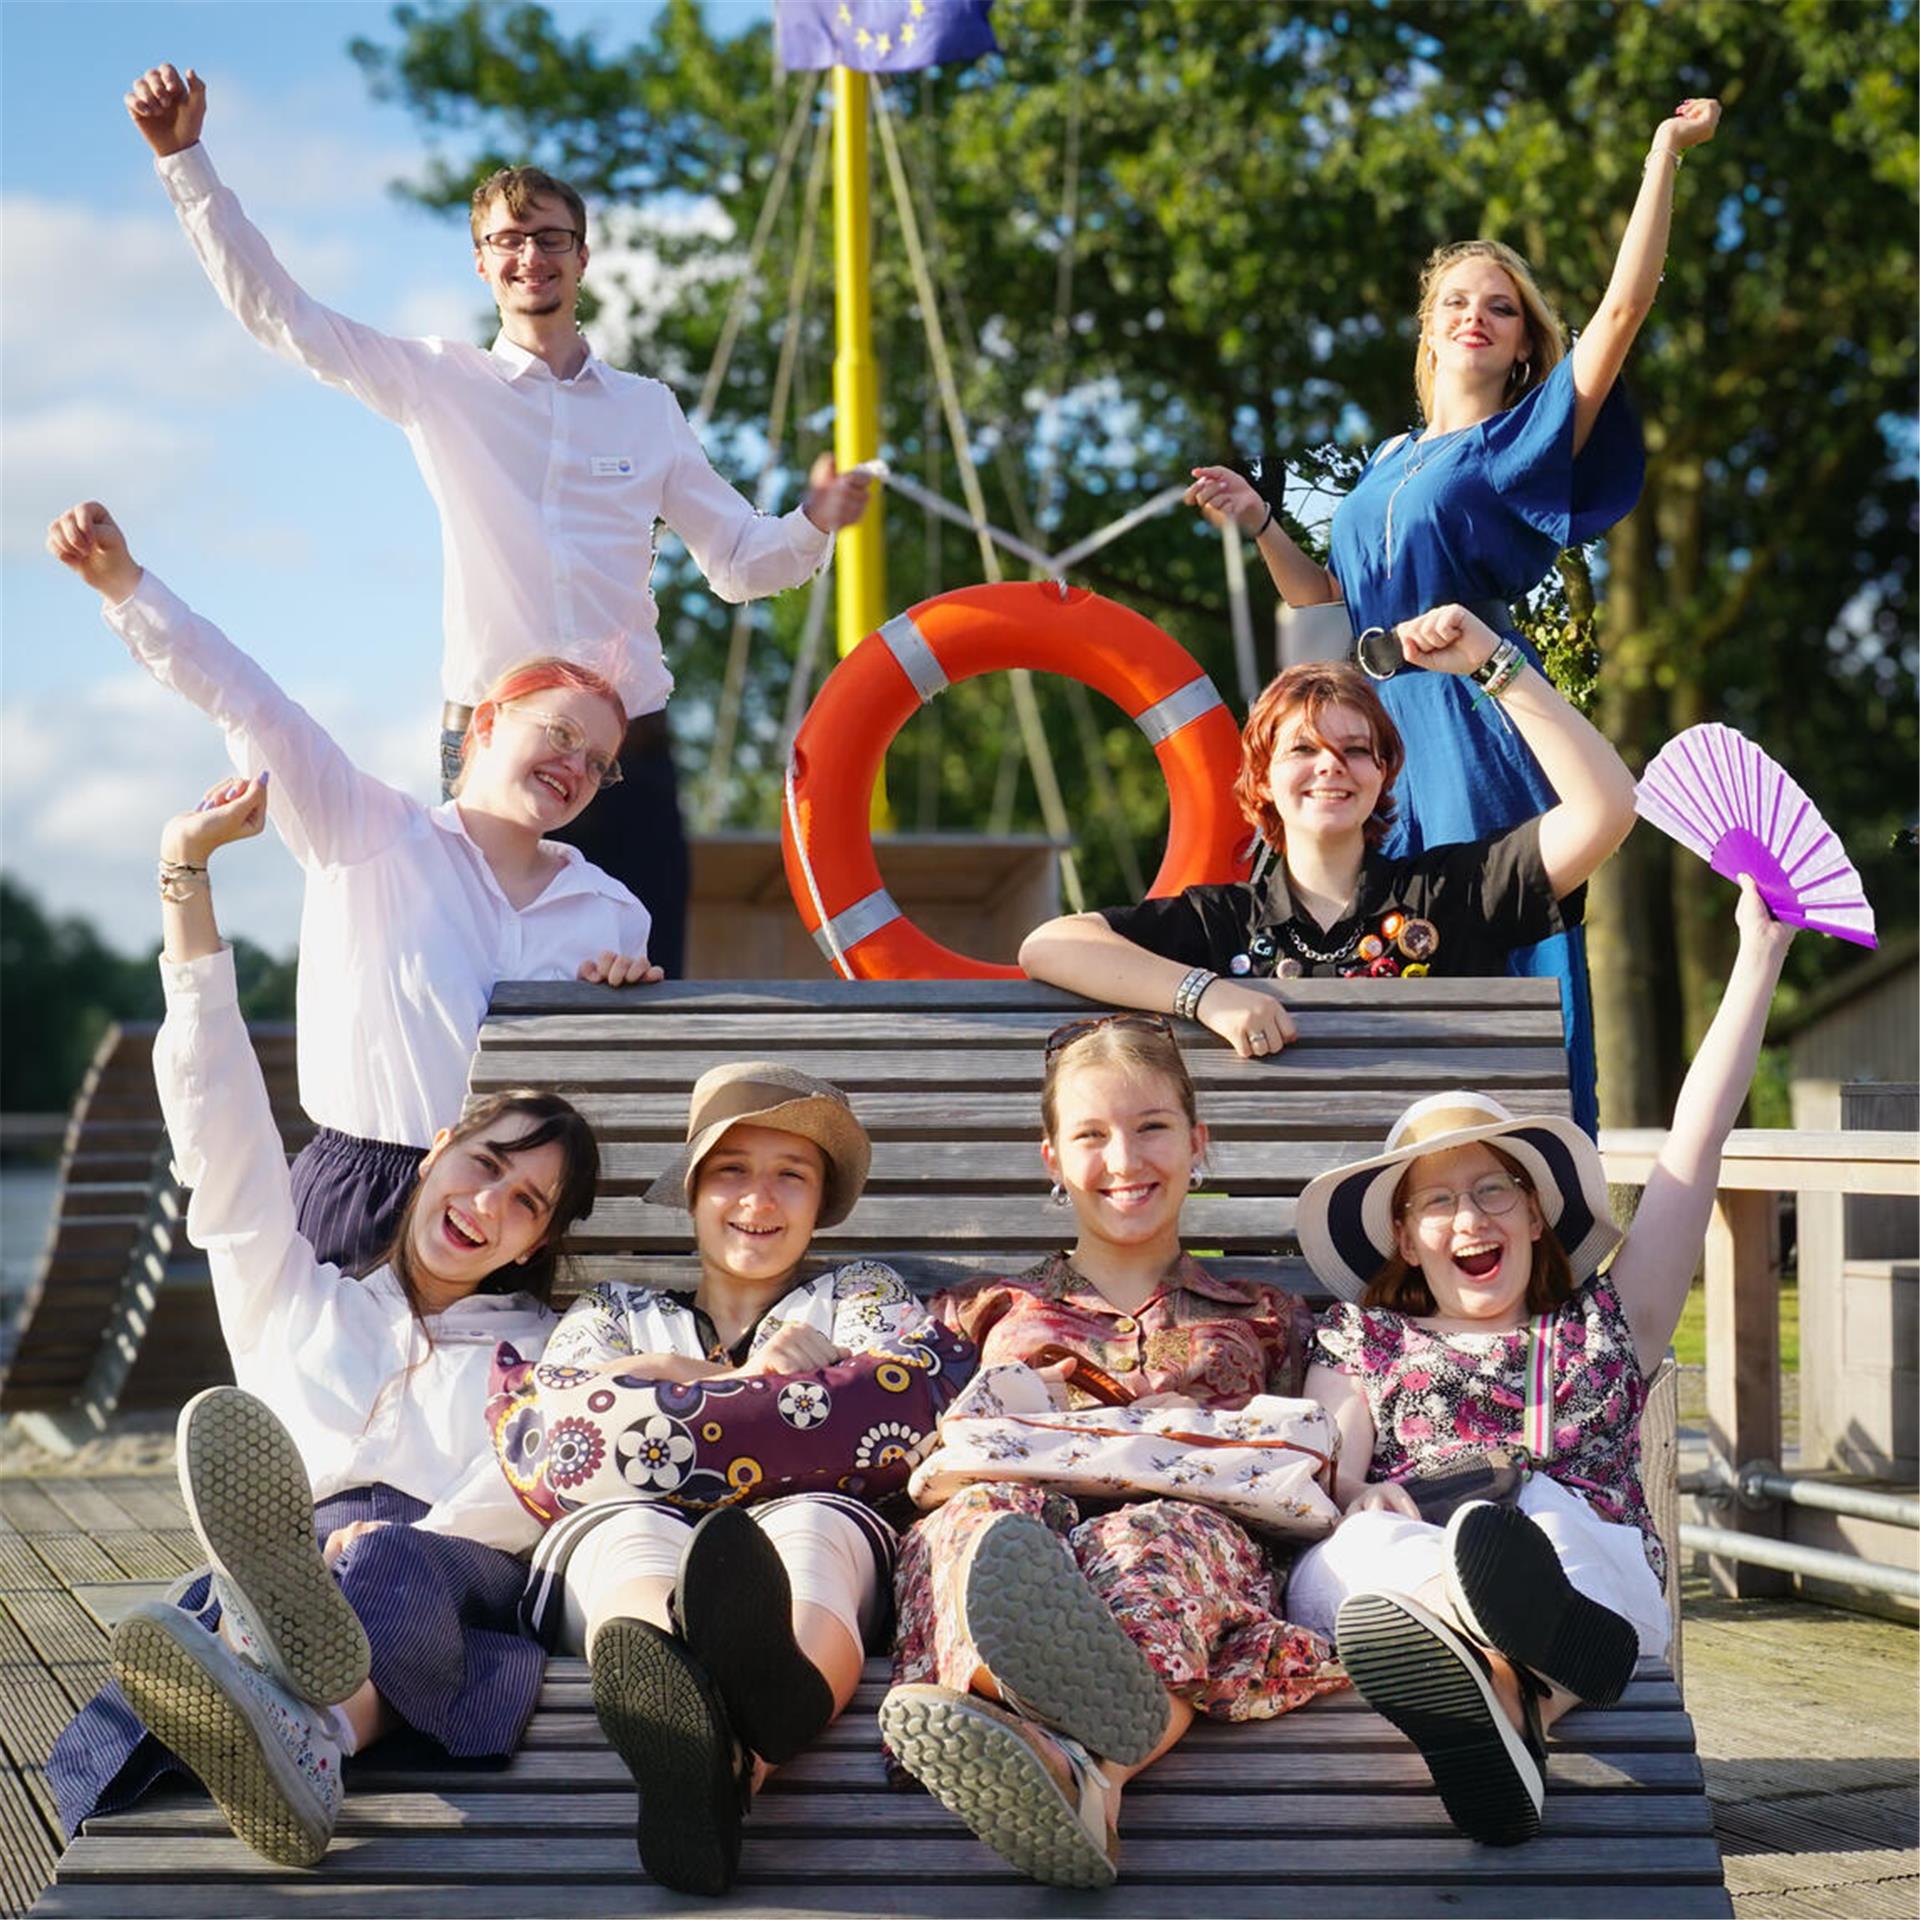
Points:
1318	782
1524	446
360	1541
1487	1341
1050	1649
411	913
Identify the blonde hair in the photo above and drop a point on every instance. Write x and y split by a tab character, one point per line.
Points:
1131	1043
1547	337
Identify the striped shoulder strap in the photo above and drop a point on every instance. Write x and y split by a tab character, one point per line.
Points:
1542	1341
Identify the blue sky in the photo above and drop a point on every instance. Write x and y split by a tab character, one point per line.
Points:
279	508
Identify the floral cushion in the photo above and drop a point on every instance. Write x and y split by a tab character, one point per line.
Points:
568	1435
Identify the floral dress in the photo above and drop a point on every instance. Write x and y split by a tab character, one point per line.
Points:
1191	1587
1435	1397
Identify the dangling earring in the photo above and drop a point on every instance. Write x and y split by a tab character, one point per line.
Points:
1196	1175
1521	368
1058	1194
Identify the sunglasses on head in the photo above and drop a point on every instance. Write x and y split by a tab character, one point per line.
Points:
1062	1037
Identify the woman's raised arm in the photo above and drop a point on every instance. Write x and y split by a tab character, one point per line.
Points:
1601	350
1654	1268
1223	495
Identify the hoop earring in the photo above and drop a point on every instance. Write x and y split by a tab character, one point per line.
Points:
1196	1175
1058	1194
1518	375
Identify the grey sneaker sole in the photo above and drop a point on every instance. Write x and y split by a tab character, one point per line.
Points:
984	1772
1416	1674
167	1666
250	1502
1048	1639
1507	1586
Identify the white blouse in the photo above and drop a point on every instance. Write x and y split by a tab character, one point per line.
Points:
404	929
548	489
368	1391
856	1306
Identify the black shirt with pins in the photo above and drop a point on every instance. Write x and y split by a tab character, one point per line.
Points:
1482	897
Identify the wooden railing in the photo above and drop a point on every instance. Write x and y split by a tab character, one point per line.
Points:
1742	1274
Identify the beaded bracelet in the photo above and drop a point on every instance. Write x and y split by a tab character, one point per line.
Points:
179	882
1186	996
1498	671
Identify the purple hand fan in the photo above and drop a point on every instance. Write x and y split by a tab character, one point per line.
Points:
1716	792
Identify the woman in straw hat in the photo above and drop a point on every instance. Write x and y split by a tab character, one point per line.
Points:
1481	1343
720	1646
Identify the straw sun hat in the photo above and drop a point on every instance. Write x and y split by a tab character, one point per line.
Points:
1345	1218
762	1093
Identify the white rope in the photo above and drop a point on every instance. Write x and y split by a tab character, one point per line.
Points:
806	873
737	307
806	661
1239	612
1053	566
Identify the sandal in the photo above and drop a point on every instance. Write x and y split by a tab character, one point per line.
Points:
1437	1688
733	1606
987	1766
1507	1588
1054	1649
666	1720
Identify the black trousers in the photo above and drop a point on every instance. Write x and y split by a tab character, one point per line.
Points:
634	832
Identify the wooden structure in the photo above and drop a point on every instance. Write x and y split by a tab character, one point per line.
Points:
1742	1269
977	893
1322	1813
120	1311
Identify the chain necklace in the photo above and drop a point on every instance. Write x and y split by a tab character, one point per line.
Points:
1409	466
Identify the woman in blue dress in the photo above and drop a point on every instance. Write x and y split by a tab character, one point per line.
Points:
1523	449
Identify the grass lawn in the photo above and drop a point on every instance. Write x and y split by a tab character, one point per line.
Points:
1690	1337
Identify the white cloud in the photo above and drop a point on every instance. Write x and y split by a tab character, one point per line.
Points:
88	779
136	462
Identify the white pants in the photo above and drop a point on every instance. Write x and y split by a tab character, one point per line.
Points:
1382	1551
828	1560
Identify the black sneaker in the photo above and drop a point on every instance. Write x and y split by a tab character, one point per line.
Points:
734	1609
1508	1589
1437	1689
666	1720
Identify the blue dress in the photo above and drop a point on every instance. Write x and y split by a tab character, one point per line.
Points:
1477	515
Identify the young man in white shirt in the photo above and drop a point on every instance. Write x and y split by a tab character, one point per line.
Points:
549	469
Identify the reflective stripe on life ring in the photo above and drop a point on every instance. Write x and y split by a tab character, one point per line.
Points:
916	656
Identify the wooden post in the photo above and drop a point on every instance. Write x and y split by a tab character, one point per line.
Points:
1743	1365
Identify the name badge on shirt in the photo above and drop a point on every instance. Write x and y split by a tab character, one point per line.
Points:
610	466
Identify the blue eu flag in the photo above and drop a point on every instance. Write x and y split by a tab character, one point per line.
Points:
881	36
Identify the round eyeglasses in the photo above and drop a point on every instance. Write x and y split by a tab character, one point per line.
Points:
1495	1194
569	736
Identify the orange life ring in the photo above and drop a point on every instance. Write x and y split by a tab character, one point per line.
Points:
824	825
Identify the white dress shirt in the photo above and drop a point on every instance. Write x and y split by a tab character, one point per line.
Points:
369	1392
548	489
403	929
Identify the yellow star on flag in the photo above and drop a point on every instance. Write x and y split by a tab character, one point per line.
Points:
906	34
883	46
918	9
846	14
863	38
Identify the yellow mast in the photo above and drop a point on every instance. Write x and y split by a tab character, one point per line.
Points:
860	578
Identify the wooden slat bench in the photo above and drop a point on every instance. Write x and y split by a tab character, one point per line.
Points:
120	1311
1326	1812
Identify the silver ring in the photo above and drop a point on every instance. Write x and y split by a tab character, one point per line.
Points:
1258	1042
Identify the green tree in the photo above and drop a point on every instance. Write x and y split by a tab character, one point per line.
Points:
61	986
1256	187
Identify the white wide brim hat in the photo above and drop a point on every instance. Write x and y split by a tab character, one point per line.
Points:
1345	1218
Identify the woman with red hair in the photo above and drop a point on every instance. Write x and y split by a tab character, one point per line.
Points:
1319	760
411	913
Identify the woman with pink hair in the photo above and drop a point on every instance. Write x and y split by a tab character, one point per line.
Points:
411	913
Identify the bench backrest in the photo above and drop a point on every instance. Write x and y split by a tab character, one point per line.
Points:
946	1076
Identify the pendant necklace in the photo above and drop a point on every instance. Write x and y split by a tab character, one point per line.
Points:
1409	466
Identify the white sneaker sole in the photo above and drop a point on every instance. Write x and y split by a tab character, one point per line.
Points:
250	1503
169	1667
